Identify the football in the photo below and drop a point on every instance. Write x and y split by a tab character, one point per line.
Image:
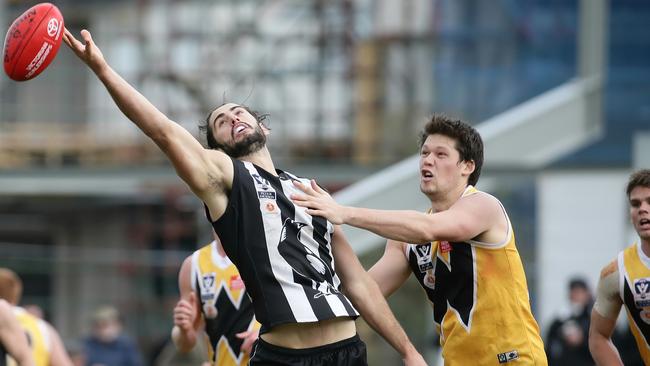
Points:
33	41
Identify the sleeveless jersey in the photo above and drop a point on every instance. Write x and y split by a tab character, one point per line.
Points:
480	300
283	254
3	355
38	337
226	307
634	288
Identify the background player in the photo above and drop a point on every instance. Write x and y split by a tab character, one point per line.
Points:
223	309
626	281
44	341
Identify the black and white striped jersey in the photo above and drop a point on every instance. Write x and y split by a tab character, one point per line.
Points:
283	254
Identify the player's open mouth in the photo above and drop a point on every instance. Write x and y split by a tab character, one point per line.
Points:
426	174
239	128
644	223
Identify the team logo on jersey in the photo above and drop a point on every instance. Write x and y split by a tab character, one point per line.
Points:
308	267
445	247
642	292
210	311
508	356
430	280
236	282
423	254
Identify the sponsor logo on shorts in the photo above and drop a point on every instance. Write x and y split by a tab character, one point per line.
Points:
508	356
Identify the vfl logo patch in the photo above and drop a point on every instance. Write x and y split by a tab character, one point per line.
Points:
261	182
423	253
508	356
208	280
642	293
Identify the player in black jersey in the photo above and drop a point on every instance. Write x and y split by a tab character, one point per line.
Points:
305	282
13	341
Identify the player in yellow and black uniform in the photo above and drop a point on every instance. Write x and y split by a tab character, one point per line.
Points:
13	341
626	282
213	296
463	253
44	341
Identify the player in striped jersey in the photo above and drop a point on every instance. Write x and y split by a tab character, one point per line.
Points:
44	341
626	282
12	338
223	309
462	252
305	282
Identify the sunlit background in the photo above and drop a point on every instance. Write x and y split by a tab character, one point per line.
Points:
91	213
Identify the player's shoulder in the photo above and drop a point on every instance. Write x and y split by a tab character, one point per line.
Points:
609	269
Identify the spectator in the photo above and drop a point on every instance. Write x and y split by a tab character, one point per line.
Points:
567	338
108	345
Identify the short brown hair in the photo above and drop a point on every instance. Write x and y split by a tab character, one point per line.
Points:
468	141
11	287
639	178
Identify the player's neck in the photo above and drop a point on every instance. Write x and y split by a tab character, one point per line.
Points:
220	250
261	158
442	201
645	246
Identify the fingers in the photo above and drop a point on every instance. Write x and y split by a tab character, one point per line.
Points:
315	186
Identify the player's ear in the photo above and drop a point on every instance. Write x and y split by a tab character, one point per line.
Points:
468	167
266	130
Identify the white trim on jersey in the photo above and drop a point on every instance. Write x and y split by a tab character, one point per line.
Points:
194	271
644	258
221	261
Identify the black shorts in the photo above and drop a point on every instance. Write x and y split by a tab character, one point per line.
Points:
348	352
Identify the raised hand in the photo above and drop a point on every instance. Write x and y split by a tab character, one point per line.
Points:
185	313
319	203
88	51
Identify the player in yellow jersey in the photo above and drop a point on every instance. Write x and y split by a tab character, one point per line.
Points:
462	252
626	282
44	341
12	338
214	300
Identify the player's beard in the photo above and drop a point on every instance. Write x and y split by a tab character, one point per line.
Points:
246	146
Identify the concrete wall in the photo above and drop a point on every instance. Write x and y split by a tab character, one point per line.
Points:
582	224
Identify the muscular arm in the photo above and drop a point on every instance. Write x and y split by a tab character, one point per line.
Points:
468	218
12	336
187	317
201	169
603	318
58	355
391	270
366	297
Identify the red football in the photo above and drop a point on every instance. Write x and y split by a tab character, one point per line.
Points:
32	41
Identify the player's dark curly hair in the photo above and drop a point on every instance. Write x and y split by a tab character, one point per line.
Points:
206	128
640	178
468	141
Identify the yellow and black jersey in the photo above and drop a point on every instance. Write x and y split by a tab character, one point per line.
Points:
225	305
480	300
38	337
634	288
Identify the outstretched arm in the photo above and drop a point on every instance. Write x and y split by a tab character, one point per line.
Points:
12	336
366	297
58	355
194	164
469	217
187	318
